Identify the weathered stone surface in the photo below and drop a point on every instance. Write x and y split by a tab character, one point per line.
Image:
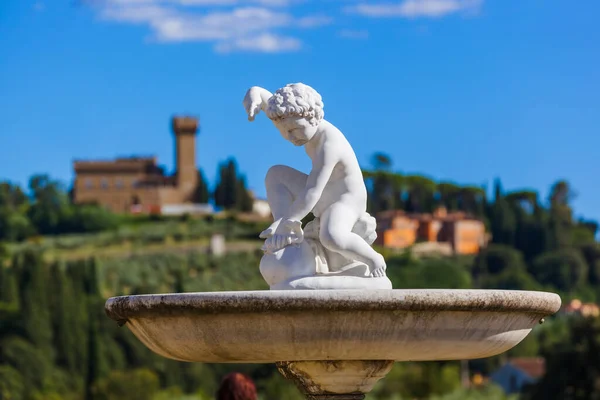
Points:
311	325
331	379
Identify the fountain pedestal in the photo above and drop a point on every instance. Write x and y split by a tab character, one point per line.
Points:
333	344
335	379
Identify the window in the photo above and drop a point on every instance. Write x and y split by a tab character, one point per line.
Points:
104	183
119	183
88	183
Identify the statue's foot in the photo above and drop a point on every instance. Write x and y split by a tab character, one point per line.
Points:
378	267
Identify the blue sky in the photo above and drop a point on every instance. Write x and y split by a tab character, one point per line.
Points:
459	90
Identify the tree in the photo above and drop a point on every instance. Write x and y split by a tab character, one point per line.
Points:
418	380
34	298
561	219
50	208
8	284
420	193
512	278
244	201
201	194
88	218
496	258
11	384
584	232
230	192
14	224
531	236
472	200
591	254
428	273
381	162
448	194
139	384
25	358
76	273
564	269
225	191
503	222
64	323
385	191
573	366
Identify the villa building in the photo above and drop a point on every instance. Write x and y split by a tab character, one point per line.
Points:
137	184
461	233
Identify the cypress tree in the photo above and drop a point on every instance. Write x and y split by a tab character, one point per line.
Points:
202	194
63	319
97	365
92	283
79	304
230	192
244	201
35	310
8	285
226	187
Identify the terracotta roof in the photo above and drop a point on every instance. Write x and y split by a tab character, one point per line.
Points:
535	367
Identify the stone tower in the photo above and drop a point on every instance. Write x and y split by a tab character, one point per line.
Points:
185	129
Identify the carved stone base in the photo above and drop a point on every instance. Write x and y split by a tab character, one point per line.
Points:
335	380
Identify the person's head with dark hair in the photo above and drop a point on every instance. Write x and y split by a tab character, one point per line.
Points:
237	386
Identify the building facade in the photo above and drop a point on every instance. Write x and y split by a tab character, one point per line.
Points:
137	184
398	229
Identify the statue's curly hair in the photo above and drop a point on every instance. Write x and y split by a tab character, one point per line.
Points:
296	99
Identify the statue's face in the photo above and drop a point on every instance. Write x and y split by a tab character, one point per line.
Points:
297	130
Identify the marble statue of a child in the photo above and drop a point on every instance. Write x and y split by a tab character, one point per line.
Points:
334	190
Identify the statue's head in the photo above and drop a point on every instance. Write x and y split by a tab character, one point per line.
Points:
296	110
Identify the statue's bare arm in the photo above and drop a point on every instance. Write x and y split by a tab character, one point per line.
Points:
256	99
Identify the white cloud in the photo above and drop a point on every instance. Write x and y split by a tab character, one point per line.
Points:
265	43
314	21
138	14
353	34
254	25
187	3
249	28
416	8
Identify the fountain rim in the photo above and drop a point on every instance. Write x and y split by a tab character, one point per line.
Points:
122	308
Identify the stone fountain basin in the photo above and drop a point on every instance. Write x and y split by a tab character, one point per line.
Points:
305	325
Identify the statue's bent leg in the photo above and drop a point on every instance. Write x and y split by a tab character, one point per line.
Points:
337	236
283	185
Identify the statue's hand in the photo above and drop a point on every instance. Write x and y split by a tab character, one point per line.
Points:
270	231
284	234
253	102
